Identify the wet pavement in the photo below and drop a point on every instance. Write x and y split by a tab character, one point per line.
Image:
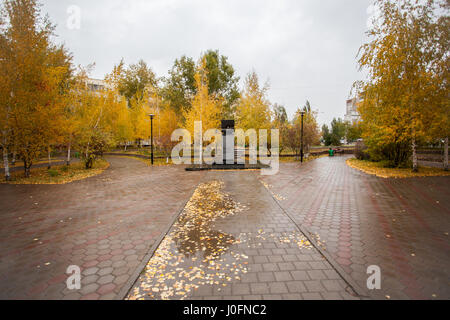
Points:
309	232
233	241
400	225
106	225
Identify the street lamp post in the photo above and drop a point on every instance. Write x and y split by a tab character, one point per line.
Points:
301	147
151	134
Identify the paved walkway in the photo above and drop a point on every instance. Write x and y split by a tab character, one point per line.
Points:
401	225
250	251
235	239
105	225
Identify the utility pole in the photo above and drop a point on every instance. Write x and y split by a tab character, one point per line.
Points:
151	133
301	147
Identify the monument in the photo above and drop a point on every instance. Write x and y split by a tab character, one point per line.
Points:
231	155
230	152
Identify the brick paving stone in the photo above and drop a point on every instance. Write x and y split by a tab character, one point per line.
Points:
106	289
332	285
364	220
270	267
106	224
89	279
252	297
316	275
331	274
286	266
259	288
90	288
234	297
283	276
278	287
105	271
314	286
292	296
266	276
106	279
296	287
272	297
312	296
66	221
273	265
331	296
300	275
240	289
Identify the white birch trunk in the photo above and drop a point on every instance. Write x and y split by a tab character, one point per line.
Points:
414	155
446	154
6	163
69	149
49	158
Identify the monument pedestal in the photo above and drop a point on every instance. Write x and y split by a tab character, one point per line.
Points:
230	158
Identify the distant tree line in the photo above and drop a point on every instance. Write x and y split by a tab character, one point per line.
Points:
46	102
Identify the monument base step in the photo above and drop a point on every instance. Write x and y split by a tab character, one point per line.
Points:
205	167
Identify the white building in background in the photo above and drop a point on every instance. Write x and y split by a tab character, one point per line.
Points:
352	114
96	84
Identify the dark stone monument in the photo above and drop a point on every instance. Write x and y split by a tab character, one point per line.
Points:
229	154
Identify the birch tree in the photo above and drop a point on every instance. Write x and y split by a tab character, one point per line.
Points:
399	87
5	95
204	107
253	109
36	71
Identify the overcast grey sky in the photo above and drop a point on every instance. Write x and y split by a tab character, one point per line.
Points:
305	48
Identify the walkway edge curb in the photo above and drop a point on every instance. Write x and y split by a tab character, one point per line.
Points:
308	234
137	273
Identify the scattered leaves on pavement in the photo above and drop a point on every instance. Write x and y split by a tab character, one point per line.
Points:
376	168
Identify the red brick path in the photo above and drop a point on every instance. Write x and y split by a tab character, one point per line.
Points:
400	225
105	225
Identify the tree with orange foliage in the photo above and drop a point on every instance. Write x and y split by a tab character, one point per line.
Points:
205	108
38	71
402	99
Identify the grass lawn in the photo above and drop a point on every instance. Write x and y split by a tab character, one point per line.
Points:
297	159
19	163
157	162
58	174
163	162
376	168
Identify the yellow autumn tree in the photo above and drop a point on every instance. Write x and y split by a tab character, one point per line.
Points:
118	116
311	134
204	107
38	71
437	116
139	116
399	90
253	109
92	114
167	123
5	98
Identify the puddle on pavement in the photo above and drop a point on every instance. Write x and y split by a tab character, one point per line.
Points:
193	232
195	254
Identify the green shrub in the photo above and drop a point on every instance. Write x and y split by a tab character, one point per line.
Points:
361	151
53	173
393	155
